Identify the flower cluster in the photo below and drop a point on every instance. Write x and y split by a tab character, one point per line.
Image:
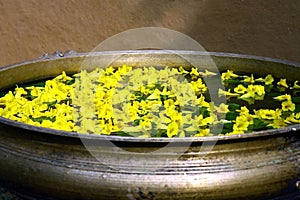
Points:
47	105
154	102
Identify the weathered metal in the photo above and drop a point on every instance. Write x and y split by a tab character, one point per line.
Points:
52	164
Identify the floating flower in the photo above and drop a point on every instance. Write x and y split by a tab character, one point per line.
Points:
253	92
288	106
194	73
283	83
243	111
203	132
228	75
207	73
222	108
285	97
240	127
296	86
227	94
277	123
293	118
204	121
182	70
198	86
173	129
268	80
240	89
265	114
201	102
19	92
249	79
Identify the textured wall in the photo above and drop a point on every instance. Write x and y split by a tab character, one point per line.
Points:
31	28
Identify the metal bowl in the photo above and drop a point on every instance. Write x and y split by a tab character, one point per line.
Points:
50	164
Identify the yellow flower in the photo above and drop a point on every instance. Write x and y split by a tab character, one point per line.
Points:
172	129
19	92
198	86
43	107
109	70
285	97
240	127
207	73
223	108
155	95
242	122
63	76
283	83
248	97
259	90
48	124
228	75
288	105
292	119
249	79
277	123
204	121
144	90
194	73
146	123
35	91
203	132
243	111
182	70
296	86
265	114
256	89
269	79
227	94
165	91
201	101
254	92
240	89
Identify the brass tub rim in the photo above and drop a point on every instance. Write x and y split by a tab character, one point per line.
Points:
71	54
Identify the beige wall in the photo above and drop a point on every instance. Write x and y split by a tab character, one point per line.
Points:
30	28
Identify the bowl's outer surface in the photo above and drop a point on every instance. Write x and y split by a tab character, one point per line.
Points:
39	162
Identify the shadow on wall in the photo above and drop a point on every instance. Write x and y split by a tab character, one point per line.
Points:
265	28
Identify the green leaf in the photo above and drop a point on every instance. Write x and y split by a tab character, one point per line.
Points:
274	94
232	81
70	82
225	130
40	119
51	104
258	124
231	115
3	93
121	133
161	133
35	84
296	99
228	126
233	106
297	108
204	111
